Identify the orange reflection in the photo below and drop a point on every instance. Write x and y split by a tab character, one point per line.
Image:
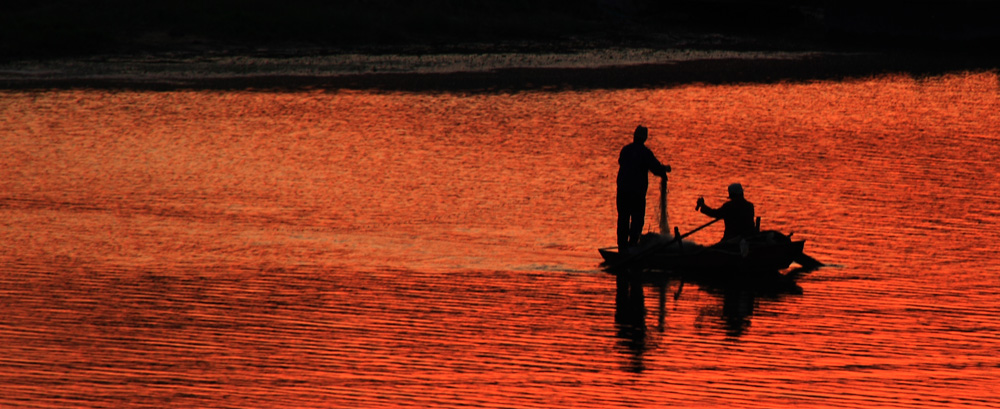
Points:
243	247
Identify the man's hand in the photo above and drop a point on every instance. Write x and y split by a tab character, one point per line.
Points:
666	168
701	203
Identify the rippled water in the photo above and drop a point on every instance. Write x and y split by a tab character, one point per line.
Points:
356	249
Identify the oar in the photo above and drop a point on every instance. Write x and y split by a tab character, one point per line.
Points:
696	229
660	246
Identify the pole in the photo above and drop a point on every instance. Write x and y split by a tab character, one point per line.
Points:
664	224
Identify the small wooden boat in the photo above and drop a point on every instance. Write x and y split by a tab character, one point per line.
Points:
750	261
757	259
769	250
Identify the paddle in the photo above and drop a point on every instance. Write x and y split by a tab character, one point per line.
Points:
696	229
657	247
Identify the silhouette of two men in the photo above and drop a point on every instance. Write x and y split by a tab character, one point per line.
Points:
635	162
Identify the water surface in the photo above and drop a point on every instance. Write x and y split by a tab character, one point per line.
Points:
362	249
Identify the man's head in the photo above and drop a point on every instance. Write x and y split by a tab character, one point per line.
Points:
640	134
735	191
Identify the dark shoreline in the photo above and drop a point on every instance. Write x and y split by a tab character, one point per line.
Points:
815	67
64	44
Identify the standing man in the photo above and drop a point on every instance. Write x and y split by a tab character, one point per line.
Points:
634	164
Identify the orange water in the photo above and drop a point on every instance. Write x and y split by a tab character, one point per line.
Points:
356	249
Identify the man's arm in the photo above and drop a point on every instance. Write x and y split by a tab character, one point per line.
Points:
708	211
655	166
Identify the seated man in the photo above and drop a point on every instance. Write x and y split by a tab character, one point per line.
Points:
737	213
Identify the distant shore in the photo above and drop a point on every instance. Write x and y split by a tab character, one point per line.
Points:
484	46
473	72
480	46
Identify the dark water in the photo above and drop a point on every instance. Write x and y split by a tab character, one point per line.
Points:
353	249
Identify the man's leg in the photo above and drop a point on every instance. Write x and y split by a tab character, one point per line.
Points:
637	211
623	221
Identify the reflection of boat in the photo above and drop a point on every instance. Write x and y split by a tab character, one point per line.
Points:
732	314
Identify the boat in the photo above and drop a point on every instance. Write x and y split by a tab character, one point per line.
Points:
768	250
754	260
747	261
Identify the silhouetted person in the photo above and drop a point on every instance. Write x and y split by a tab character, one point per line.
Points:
737	307
737	214
630	320
634	164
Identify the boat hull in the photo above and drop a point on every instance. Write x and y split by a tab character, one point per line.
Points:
767	252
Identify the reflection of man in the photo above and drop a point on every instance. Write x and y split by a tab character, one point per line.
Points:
737	213
635	162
